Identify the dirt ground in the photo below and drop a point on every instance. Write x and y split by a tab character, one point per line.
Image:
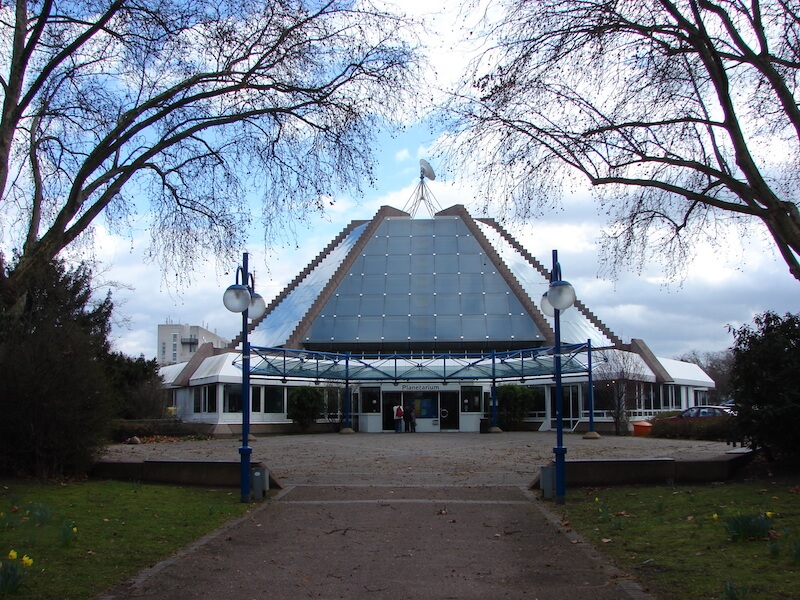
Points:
397	516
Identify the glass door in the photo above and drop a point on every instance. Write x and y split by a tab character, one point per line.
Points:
449	411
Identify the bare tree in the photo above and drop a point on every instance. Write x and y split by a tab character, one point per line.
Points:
683	115
181	111
618	380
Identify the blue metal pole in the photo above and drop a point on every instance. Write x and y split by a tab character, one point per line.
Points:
347	390
245	451
494	392
560	451
591	384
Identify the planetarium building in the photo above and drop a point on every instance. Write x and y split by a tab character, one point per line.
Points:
436	315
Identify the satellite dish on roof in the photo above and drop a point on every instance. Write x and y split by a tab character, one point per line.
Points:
425	170
422	195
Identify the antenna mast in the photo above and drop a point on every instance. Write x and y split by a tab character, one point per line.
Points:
421	194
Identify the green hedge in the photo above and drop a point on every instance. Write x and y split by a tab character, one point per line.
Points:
706	428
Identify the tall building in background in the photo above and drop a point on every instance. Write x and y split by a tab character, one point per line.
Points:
177	343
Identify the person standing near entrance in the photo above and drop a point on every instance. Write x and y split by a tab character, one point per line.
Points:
398	418
408	413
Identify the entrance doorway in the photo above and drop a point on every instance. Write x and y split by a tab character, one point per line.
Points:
389	401
449	411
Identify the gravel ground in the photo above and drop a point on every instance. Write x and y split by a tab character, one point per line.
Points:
458	458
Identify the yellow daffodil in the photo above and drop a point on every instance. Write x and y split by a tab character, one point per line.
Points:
12	555
596	499
715	516
27	561
74	530
769	514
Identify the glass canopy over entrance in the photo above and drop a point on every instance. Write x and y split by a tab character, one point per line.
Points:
532	363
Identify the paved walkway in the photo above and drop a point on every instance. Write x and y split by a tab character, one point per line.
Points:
397	516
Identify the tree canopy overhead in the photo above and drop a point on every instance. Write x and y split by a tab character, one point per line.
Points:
181	109
683	115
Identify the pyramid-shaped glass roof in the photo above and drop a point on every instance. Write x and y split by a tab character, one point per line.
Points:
398	284
423	282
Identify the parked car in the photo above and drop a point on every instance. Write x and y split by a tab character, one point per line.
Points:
704	411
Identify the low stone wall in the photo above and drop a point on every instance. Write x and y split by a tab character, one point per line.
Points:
201	473
591	472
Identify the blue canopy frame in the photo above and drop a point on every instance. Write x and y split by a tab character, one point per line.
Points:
285	363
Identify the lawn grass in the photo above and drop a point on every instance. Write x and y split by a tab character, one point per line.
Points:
725	541
86	537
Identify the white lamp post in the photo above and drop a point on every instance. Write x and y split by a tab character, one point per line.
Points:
242	298
559	297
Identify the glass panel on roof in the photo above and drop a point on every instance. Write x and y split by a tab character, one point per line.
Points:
445	244
345	328
351	284
470	283
514	305
470	263
399	245
466	243
472	304
396	304
358	264
421	245
340	304
370	328
422	263
448	328
421	304
378	244
396	226
371	305
499	327
422	328
374	263
446	282
445	226
322	329
397	284
423	227
497	303
395	328
473	327
524	328
447	304
398	263
445	263
372	282
422	283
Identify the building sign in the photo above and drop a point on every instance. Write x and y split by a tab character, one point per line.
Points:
420	387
